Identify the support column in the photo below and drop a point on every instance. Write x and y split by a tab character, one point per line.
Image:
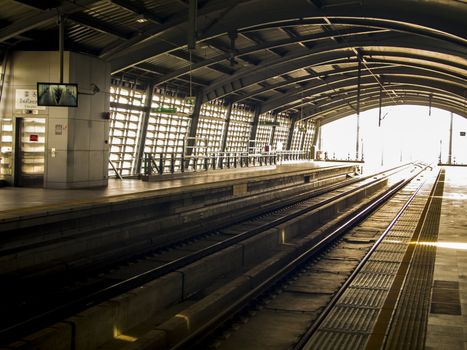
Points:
314	145
226	126
273	131
254	126
194	123
320	138
450	140
291	131
357	143
144	128
302	141
192	24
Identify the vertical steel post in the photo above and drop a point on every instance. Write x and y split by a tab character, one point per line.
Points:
291	131
226	127
440	150
380	104
61	43
4	68
144	127
315	146
357	143
194	123
273	131
192	24
254	126
450	140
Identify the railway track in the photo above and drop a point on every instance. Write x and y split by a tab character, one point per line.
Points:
285	311
137	271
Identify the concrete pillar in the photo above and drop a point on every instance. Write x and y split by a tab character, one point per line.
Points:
76	138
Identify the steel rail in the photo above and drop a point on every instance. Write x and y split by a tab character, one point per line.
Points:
76	305
305	337
194	339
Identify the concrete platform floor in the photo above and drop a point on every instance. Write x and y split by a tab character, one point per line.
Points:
14	198
447	320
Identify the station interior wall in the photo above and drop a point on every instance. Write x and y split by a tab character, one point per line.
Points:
118	139
74	140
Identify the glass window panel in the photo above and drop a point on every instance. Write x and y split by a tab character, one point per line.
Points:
125	128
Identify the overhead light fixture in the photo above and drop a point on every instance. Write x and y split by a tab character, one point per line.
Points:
141	19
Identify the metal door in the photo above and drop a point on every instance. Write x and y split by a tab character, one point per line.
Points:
29	152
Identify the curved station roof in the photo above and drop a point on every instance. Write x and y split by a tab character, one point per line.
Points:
307	57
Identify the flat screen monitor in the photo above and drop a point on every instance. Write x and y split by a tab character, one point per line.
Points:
57	95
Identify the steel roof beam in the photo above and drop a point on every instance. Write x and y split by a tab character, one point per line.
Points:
367	80
336	81
254	38
256	48
196	59
304	58
312	75
334	113
44	18
98	25
156	70
138	10
385	14
139	44
226	52
292	33
372	91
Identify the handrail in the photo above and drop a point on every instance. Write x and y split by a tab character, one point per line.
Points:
160	163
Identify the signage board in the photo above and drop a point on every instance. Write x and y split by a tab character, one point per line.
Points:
190	100
164	110
58	129
26	99
268	123
33	138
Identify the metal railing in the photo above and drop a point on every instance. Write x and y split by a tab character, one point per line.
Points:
170	163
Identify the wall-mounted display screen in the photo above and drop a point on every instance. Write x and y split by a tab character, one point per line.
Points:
58	95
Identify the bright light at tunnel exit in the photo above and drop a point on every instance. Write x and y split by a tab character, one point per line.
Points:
407	133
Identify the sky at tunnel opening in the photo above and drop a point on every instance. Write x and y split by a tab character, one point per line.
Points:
407	133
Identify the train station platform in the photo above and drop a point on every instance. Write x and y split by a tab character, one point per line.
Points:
447	320
131	212
17	201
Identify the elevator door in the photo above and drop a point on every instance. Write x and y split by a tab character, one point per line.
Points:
29	152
